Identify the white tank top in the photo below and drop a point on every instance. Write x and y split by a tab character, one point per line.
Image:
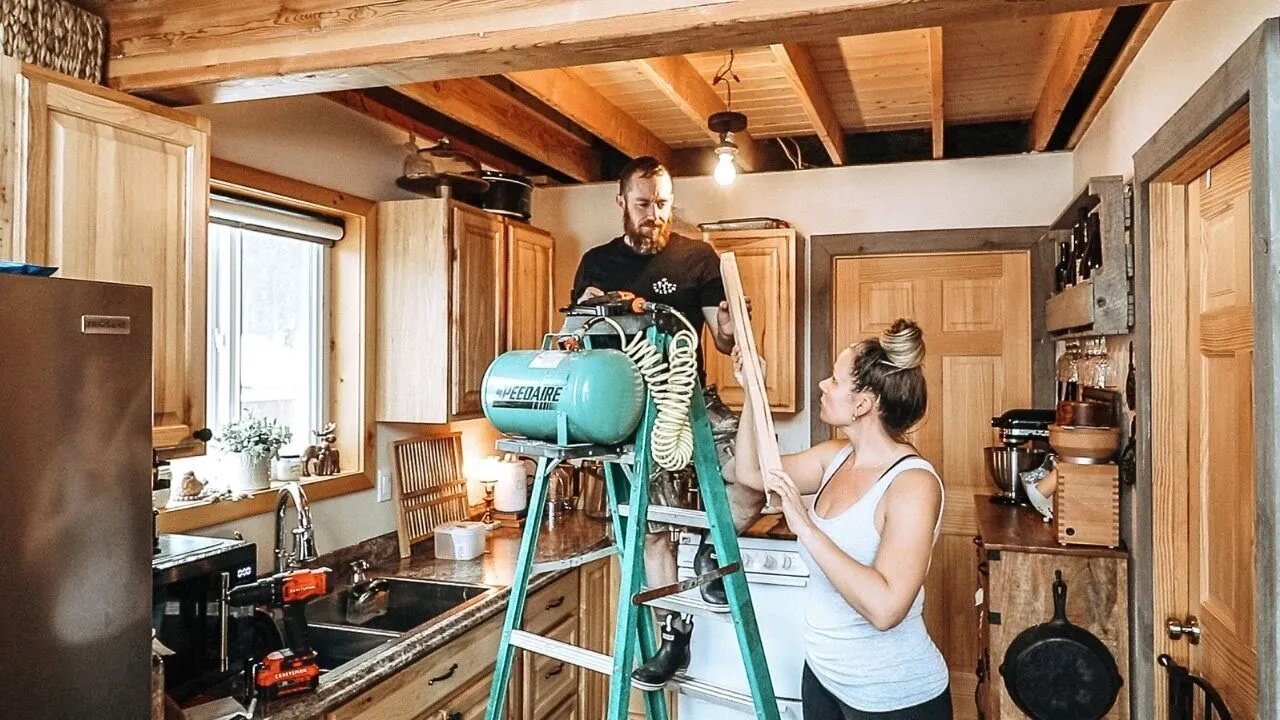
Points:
868	669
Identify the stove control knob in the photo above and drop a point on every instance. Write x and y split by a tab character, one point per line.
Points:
770	562
748	560
787	562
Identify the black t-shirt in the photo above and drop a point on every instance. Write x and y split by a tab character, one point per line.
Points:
685	275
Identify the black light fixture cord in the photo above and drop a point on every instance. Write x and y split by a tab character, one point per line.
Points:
723	75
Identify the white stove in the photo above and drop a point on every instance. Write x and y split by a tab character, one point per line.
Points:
776	577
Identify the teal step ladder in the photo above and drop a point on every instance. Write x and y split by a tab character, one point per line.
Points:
626	471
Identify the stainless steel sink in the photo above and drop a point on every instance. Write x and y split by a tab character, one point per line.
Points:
336	645
399	606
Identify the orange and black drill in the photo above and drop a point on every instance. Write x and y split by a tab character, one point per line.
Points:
293	669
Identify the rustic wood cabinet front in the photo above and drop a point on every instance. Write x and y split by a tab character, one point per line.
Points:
117	190
767	263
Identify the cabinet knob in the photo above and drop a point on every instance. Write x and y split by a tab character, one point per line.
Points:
1189	627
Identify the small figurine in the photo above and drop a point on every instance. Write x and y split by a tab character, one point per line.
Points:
322	458
192	488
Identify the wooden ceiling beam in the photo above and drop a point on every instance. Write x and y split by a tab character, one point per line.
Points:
936	90
1150	18
576	100
676	77
371	107
483	107
189	52
1084	31
797	64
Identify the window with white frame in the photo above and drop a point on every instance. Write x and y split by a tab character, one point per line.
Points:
268	298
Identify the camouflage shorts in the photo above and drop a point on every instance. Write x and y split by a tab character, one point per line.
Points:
676	489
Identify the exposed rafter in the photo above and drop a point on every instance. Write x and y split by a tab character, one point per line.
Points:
1083	32
798	65
677	79
362	103
485	108
189	52
936	115
580	102
1150	17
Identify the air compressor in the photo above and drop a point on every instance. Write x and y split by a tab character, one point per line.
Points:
568	393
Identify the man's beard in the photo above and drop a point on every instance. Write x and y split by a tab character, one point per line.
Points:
637	241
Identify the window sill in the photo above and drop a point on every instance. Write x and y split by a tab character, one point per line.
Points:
260	502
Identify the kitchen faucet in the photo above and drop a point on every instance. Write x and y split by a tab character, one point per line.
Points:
304	543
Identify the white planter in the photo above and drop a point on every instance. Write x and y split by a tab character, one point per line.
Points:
246	473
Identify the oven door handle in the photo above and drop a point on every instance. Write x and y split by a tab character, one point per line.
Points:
224	637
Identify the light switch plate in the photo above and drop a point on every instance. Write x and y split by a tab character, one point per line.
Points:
384	486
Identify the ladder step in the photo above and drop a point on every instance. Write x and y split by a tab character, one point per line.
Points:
701	690
690	602
571	654
672	515
539	568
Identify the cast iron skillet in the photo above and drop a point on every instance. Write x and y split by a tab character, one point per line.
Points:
1060	671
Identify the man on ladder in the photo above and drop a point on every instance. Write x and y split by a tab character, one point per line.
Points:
649	262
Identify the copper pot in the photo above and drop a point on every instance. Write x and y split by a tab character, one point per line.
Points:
1084	413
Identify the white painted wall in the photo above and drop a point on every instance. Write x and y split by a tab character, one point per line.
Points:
1008	191
1191	42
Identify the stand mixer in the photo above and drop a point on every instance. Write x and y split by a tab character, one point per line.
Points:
1024	436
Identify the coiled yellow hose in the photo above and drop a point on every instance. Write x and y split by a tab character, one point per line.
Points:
671	383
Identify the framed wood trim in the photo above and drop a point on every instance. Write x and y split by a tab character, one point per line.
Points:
205	514
352	323
1252	75
1221	142
12	167
825	248
35	72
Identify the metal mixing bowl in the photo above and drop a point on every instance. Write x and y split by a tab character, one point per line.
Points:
1004	464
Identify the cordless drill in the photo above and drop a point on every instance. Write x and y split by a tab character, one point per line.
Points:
293	669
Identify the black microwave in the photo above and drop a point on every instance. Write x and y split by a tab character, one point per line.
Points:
211	643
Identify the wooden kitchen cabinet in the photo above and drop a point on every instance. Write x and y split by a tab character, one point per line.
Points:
116	189
768	262
597	610
1017	557
442	308
530	302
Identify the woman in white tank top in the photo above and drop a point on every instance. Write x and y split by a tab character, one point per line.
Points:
867	540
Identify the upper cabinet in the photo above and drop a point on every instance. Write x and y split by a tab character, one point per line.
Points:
443	305
767	263
116	189
530	302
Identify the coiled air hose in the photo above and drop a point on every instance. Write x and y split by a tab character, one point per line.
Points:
671	384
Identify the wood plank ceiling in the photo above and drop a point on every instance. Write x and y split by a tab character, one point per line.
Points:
1023	82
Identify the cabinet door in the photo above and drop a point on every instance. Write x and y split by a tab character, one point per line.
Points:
471	703
548	682
529	304
476	308
597	609
119	192
767	266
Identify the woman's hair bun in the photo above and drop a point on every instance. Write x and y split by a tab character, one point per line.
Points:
903	344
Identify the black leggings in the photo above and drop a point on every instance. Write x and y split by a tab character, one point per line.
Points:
820	704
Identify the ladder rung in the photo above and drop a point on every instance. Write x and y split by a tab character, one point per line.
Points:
539	568
571	654
701	690
672	515
689	602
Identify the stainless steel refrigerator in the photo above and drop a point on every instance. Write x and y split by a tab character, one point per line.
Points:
75	499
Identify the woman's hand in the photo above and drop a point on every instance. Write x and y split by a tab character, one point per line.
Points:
793	507
738	375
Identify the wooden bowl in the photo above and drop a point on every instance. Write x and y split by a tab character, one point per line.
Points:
1085	444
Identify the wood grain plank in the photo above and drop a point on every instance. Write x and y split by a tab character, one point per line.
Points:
936	90
676	78
480	105
1084	31
192	52
582	104
798	66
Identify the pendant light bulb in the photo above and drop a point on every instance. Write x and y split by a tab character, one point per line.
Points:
725	171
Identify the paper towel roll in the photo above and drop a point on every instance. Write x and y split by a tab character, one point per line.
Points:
510	494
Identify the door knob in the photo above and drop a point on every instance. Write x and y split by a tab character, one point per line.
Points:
1190	627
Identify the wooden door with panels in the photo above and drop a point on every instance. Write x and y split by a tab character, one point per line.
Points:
476	315
530	302
1203	430
975	312
117	190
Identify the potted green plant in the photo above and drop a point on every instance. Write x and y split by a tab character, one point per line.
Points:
250	443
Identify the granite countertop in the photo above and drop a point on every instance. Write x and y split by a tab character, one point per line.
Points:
570	536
